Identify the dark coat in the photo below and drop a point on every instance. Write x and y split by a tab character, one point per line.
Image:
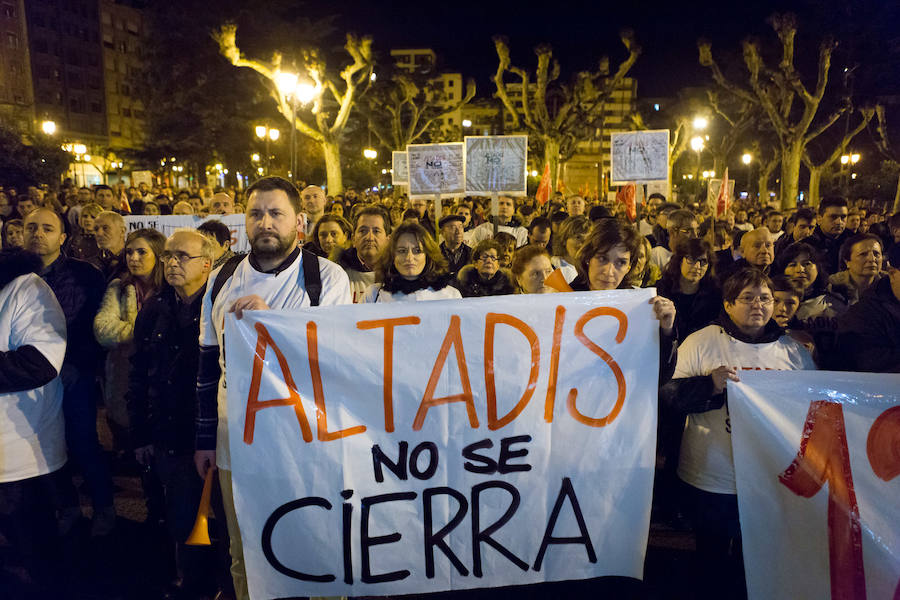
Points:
456	261
829	248
79	287
695	311
868	337
470	284
162	384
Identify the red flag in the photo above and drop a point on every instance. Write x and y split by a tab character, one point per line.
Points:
625	195
543	191
723	202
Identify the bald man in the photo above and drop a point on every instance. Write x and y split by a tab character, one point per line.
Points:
312	201
757	250
221	204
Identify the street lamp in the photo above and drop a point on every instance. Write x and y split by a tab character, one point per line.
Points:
266	133
846	161
746	158
370	153
700	122
466	123
697	144
48	127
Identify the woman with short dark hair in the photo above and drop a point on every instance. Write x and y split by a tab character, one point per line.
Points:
688	281
484	277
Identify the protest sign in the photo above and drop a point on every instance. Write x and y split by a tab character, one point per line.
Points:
425	446
713	189
436	169
816	460
399	168
496	164
139	177
167	224
639	156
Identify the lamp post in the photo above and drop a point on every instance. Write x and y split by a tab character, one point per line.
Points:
48	127
697	144
847	162
267	133
747	159
295	90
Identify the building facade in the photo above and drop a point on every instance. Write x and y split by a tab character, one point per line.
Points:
16	92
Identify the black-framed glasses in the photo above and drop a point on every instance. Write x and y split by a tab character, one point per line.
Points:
703	262
181	257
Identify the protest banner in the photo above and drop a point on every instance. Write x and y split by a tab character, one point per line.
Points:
167	224
496	164
425	446
436	169
639	156
399	168
816	460
714	188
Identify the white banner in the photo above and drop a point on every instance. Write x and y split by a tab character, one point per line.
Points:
407	448
399	168
639	156
816	456
167	224
496	163
713	189
436	169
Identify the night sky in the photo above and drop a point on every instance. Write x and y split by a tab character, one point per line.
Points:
461	31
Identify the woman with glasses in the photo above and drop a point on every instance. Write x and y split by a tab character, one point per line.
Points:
743	337
411	268
484	277
688	281
114	323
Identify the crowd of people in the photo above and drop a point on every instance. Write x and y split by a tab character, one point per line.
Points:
95	316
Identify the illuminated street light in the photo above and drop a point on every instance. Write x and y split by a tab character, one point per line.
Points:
261	131
700	122
305	92
466	123
285	82
48	127
86	157
373	76
370	153
697	143
534	173
854	158
274	134
255	157
259	170
79	148
384	171
747	158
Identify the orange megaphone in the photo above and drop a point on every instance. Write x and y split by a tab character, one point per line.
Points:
200	533
557	281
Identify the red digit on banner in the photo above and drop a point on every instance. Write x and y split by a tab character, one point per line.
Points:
824	458
883	448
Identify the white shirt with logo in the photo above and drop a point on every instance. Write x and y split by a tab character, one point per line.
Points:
706	457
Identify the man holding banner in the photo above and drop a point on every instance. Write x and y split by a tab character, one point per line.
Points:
276	274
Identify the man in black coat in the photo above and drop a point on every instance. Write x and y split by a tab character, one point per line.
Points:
161	391
868	336
79	288
830	232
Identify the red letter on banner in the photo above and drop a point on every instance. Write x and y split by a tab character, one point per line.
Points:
824	458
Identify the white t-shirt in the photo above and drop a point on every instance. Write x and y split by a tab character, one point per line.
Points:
706	458
32	429
660	256
285	289
376	294
485	231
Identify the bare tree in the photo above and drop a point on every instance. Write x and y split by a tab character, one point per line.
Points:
776	90
817	169
556	115
407	108
884	146
328	118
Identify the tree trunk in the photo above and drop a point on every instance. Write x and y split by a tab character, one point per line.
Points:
551	156
765	174
815	176
897	197
332	152
791	158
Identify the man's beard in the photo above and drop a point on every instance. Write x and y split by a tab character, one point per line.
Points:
283	247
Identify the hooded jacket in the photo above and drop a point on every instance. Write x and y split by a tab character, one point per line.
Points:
470	284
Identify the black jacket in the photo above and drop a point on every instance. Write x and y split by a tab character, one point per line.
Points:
79	287
471	285
456	260
695	311
162	385
828	247
868	337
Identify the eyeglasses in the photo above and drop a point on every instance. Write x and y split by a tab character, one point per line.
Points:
486	257
764	300
703	262
181	257
688	231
